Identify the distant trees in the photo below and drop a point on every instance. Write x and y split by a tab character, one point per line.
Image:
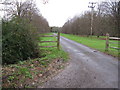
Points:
105	21
20	32
55	29
40	23
78	25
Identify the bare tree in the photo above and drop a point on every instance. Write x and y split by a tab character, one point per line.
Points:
110	10
40	23
21	9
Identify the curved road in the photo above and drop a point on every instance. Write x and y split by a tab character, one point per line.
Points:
88	68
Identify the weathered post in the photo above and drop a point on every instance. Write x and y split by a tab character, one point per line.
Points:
58	41
107	42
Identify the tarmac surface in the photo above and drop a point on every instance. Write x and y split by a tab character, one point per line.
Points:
88	68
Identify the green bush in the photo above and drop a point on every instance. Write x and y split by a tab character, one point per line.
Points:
19	41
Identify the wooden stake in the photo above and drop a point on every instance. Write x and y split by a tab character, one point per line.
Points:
58	41
107	42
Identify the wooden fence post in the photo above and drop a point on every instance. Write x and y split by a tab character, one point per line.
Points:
58	41
107	42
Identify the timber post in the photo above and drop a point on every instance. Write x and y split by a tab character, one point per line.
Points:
107	42
58	41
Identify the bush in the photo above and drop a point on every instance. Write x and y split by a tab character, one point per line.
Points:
19	41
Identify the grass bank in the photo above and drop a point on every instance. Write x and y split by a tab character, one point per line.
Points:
94	42
33	72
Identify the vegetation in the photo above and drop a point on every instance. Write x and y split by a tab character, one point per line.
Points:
25	64
56	53
94	42
19	41
31	73
105	20
20	32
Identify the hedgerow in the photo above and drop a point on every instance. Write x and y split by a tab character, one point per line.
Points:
19	41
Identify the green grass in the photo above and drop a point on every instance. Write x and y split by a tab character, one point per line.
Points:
48	43
46	34
94	42
48	39
51	52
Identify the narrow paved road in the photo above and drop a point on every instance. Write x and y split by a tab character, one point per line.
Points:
88	68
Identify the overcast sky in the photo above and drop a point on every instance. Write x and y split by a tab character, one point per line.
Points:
57	12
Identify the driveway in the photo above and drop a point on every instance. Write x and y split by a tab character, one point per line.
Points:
87	68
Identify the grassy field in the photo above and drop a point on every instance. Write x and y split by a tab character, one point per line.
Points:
94	42
51	52
33	72
48	39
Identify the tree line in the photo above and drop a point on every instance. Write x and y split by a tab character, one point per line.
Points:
105	20
21	26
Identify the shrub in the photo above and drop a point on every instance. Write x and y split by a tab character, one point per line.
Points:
19	41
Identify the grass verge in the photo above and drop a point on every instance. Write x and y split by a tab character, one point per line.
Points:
94	42
33	72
